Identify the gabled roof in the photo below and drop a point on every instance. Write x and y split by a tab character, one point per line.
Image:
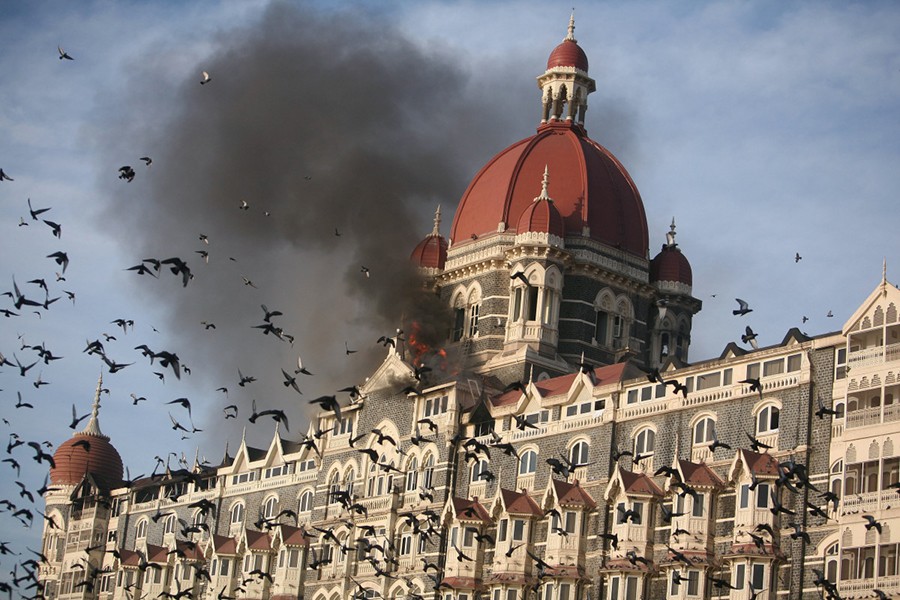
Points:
130	558
760	465
257	540
571	494
224	545
292	536
469	510
157	554
885	293
519	503
732	350
188	550
631	483
699	475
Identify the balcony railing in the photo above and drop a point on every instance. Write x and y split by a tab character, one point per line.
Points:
874	356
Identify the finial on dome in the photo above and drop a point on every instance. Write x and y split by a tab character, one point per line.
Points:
545	184
93	425
570	36
884	275
437	222
670	236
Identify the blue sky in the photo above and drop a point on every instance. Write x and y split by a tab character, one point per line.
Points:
766	129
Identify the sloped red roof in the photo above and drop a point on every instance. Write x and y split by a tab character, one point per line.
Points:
189	551
699	474
224	544
157	554
470	510
761	464
558	385
572	494
258	540
130	558
293	536
461	583
639	483
520	503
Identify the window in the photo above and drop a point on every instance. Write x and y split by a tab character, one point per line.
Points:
473	320
141	529
762	495
704	431
342	426
840	361
237	513
270	507
527	462
614	588
726	377
584	408
412	474
334	487
428	471
767	420
699	501
169	525
518	534
773	367
578	455
535	418
502	526
645	442
793	363
752	371
601	327
758	576
406	544
710	380
306	501
436	406
517	304
740	575
478	470
693	587
632	396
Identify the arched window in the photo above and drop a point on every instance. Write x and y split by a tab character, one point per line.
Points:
645	442
478	470
767	419
140	530
334	487
831	563
473	308
169	525
349	478
704	431
578	455
428	471
527	462
237	513
306	501
270	507
412	474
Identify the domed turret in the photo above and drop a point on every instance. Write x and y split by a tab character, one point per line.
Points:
431	253
568	53
541	216
670	265
88	452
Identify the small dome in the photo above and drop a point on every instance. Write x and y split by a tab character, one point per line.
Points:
73	462
430	253
568	54
671	265
541	216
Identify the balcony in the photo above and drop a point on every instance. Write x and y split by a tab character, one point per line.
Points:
533	331
874	356
864	587
865	417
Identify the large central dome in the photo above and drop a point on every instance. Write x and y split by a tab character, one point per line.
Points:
591	189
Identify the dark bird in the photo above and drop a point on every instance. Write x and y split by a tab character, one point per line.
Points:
55	227
127	173
5	176
822	410
142	269
147	160
61	258
520	276
613	539
718	444
755	385
757	445
743	308
797	257
244	380
205	78
76	419
290	381
228	411
177	267
522	423
750	337
34	212
365	271
63	54
183	402
276	414
871	522
798	532
248	282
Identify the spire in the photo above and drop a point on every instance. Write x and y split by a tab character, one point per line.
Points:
93	425
884	276
570	36
437	222
670	236
545	183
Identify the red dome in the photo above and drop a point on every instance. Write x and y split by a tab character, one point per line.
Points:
542	217
73	462
568	54
671	265
430	253
590	188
